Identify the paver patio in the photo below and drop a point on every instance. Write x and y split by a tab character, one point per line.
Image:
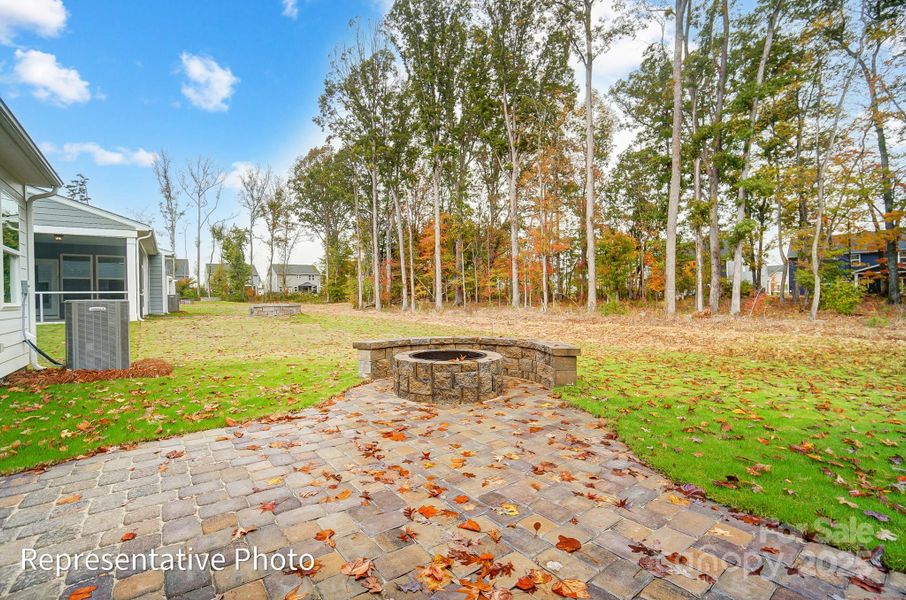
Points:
525	468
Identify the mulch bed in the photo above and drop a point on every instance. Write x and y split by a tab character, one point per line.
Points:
147	367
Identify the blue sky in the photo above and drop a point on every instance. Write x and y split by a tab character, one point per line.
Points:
104	89
102	85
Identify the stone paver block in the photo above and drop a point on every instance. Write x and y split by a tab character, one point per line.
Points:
400	562
138	585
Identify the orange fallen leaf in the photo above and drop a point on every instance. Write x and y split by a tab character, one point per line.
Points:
470	525
428	511
326	536
82	593
571	588
70	499
568	544
268	506
461	499
128	536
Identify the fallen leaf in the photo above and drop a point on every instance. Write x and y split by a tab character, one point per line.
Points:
268	506
568	544
373	585
128	536
358	568
571	588
70	499
82	593
326	536
470	525
461	499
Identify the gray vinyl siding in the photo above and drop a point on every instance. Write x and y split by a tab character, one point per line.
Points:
156	304
13	350
50	213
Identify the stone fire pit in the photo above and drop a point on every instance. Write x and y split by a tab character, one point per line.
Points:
274	310
447	376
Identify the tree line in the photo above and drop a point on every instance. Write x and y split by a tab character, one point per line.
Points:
465	164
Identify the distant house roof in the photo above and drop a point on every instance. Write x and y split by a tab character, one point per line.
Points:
20	155
859	241
281	270
211	267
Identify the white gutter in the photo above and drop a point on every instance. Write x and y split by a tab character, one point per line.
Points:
138	271
28	294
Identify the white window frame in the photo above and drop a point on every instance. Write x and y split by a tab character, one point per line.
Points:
15	271
855	258
96	278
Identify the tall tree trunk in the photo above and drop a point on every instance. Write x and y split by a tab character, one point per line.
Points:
375	245
699	267
713	171
675	162
327	271
890	222
388	254
514	233
198	250
822	172
747	159
412	304
589	58
438	291
402	244
359	276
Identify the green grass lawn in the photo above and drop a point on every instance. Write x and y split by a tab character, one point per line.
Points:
226	366
810	447
809	429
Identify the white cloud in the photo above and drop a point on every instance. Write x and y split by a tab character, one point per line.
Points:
233	179
47	18
51	82
100	155
209	85
290	8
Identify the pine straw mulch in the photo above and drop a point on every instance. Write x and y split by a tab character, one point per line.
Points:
147	367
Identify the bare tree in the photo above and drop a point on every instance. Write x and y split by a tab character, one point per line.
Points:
170	208
200	180
256	184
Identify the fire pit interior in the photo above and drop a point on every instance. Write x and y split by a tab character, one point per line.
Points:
447	355
453	376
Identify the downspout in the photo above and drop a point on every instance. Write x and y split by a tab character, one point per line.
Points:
28	337
138	273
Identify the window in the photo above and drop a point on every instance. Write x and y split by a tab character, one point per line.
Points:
111	275
12	250
855	258
76	273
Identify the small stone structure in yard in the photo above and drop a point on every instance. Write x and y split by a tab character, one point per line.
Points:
546	363
447	376
274	310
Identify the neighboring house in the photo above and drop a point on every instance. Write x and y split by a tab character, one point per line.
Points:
862	255
84	252
253	281
770	276
294	278
23	169
181	268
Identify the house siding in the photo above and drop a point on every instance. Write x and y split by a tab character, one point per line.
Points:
155	285
50	213
13	349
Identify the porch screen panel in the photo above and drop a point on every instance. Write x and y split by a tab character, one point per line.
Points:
76	275
111	276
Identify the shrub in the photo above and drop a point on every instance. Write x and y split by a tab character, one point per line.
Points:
842	296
